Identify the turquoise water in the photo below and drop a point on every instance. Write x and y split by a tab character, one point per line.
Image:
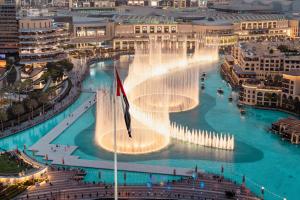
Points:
262	157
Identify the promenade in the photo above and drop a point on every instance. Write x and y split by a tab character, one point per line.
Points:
65	185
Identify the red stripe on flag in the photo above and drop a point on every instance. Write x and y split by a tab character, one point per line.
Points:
119	85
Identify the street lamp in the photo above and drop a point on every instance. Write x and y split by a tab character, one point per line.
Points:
262	191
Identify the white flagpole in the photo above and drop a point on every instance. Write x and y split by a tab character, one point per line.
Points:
115	136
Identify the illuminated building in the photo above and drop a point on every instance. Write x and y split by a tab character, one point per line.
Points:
40	41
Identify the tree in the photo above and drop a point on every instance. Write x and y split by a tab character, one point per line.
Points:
55	70
283	48
26	85
17	110
43	99
31	104
277	80
3	117
45	76
65	64
17	86
12	75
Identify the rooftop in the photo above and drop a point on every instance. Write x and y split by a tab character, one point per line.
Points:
238	70
212	22
145	19
131	14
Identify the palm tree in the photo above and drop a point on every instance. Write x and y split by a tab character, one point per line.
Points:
31	104
44	99
18	109
3	117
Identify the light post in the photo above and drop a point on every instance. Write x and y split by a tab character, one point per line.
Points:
222	170
262	192
194	179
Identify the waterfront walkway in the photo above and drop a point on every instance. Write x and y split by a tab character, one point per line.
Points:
64	185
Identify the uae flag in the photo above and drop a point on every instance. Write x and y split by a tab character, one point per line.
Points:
125	103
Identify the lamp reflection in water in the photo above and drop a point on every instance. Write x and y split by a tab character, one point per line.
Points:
161	80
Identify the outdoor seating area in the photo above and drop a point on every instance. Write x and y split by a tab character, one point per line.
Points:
64	184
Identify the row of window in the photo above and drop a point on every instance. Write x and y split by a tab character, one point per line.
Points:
34	25
259	25
155	29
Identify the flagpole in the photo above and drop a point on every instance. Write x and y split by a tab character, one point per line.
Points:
115	137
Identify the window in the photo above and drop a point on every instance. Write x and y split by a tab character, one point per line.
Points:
159	29
166	29
151	29
137	29
173	29
144	29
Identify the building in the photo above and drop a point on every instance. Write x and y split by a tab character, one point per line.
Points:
136	2
272	27
260	95
294	25
135	30
264	60
219	2
89	33
96	4
179	3
291	90
286	96
288	128
8	26
40	41
267	74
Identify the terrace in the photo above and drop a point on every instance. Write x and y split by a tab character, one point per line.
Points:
288	128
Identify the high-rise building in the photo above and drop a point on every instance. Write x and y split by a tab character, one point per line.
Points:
8	26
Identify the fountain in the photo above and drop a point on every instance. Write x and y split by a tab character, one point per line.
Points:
161	79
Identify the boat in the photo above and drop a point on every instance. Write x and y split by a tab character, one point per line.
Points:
239	105
203	74
230	99
242	111
202	86
220	91
202	79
